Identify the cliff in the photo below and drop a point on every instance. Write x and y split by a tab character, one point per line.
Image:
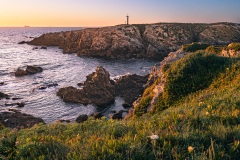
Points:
139	41
183	73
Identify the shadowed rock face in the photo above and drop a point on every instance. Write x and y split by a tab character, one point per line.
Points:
100	90
130	87
97	89
153	41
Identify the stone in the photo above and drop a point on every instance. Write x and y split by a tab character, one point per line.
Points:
43	47
16	98
18	120
82	118
29	70
20	104
33	69
20	72
34	48
97	90
117	115
97	115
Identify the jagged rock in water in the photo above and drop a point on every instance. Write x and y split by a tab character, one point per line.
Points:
20	72
98	89
18	120
29	70
33	69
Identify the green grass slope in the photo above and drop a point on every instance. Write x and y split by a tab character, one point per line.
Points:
201	122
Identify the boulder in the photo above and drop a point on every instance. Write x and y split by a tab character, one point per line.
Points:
18	120
97	115
117	115
81	118
20	72
29	70
43	47
97	89
33	69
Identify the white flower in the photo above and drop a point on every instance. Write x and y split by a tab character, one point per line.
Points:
154	137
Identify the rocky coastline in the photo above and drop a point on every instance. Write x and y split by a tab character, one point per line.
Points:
152	41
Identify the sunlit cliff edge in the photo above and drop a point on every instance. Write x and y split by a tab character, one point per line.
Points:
153	41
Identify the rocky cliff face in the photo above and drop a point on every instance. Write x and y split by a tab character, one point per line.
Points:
139	41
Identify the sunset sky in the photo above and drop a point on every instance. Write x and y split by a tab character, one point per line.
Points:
64	13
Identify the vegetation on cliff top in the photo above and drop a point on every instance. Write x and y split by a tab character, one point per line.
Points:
202	123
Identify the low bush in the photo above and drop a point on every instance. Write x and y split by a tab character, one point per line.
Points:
194	47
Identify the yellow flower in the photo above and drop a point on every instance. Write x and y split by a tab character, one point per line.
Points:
207	113
209	106
190	149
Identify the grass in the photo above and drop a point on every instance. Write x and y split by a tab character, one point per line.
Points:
203	124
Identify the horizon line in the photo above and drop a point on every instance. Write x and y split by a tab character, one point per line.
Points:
29	26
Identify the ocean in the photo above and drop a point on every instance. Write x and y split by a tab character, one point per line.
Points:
58	68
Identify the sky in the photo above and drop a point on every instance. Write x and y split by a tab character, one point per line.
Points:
86	13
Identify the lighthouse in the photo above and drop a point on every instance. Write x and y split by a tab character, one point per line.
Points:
127	19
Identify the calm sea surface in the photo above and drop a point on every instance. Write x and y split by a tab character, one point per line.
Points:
63	69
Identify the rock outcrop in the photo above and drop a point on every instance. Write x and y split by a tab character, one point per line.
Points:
29	70
139	41
18	120
98	89
130	87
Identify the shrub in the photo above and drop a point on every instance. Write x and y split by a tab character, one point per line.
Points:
194	47
214	49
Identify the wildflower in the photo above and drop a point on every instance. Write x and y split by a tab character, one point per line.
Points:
209	106
190	149
154	137
207	113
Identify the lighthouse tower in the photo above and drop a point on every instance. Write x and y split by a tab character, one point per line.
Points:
127	19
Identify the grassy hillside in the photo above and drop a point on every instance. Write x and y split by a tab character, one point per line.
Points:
201	121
